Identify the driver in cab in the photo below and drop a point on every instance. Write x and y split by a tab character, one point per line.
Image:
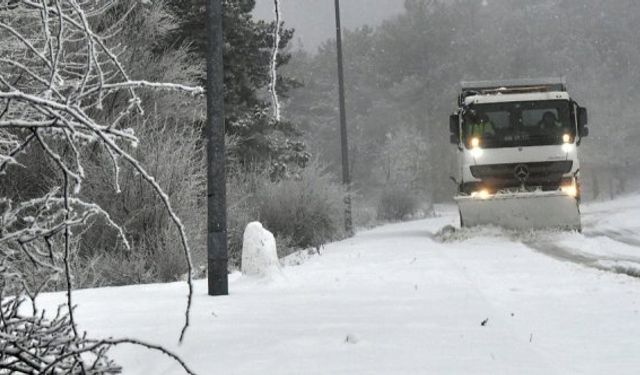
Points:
479	126
550	123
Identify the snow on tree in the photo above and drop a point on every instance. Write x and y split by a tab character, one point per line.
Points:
275	101
58	66
263	140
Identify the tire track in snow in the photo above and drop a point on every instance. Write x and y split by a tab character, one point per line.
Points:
625	265
592	225
624	236
620	265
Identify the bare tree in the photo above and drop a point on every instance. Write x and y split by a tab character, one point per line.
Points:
57	68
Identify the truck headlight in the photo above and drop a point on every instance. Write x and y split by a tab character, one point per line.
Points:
476	152
483	194
567	147
570	189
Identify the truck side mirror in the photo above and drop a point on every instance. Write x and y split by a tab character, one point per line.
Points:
583	120
454	128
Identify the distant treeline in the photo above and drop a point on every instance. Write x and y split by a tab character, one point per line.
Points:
402	79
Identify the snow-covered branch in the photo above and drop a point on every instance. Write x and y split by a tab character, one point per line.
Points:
56	72
275	100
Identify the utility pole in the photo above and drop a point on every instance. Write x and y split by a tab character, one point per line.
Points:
346	179
216	174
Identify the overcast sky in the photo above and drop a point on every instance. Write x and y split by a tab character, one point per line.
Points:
314	19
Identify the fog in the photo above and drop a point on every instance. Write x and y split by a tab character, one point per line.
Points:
402	79
314	20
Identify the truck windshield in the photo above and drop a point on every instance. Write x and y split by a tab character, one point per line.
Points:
517	124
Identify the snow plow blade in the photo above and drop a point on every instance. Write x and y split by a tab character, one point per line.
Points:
521	211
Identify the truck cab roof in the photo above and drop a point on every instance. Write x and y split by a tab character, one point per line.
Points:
500	90
524	97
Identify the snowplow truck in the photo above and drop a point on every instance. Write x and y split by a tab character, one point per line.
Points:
517	149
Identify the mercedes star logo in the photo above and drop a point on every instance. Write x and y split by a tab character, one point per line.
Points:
521	172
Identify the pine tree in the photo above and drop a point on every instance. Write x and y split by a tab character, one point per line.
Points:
248	45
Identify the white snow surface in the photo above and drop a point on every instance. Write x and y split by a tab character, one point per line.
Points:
399	300
259	252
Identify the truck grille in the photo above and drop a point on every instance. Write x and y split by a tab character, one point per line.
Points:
515	174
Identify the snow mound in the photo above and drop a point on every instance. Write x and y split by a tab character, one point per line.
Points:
298	258
451	234
259	252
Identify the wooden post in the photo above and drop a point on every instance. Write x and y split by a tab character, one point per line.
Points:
346	179
216	173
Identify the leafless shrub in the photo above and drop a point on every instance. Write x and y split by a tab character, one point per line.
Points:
122	268
174	155
365	214
37	344
302	212
397	203
56	73
308	210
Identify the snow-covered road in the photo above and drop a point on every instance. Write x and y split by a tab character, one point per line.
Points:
403	299
610	240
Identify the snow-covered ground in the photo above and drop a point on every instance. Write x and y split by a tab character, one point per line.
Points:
610	238
405	299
